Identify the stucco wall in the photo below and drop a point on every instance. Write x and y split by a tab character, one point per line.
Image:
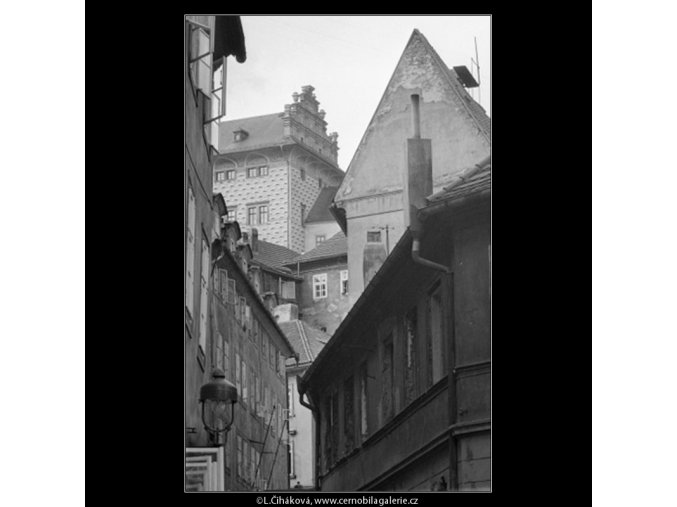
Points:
324	312
304	440
272	189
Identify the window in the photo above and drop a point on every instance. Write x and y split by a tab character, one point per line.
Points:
303	175
252	172
231	291
320	286
190	253
289	290
238	373
435	336
290	399
245	391
204	276
319	239
232	215
251	215
263	214
220	176
230	174
364	427
388	380
303	214
348	415
344	282
263	170
226	358
255	383
410	323
373	236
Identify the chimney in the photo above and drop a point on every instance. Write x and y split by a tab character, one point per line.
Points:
255	240
286	312
418	177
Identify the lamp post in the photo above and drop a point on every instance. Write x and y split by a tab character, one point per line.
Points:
215	396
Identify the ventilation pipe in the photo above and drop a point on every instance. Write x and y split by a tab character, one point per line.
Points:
418	183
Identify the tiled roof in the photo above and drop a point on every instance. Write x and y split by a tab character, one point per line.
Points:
335	246
265	130
306	340
274	256
476	110
320	210
471	181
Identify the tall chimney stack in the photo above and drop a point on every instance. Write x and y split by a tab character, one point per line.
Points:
418	176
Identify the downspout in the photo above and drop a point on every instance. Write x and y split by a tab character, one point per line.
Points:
418	178
316	414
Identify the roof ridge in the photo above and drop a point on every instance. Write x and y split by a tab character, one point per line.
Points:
250	117
447	72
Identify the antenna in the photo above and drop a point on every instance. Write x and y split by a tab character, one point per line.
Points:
476	61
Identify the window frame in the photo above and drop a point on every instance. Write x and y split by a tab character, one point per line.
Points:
320	281
343	274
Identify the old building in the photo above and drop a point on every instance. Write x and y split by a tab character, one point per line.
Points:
369	200
402	392
320	224
272	168
252	351
203	104
323	292
228	329
308	342
275	282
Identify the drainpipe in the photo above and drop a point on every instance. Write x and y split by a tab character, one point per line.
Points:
316	414
418	184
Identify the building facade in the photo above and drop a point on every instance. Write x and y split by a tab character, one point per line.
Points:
320	224
369	200
272	168
324	290
252	351
401	394
204	462
308	341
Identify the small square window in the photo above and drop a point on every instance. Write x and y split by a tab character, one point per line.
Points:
252	172
230	174
319	239
373	236
232	215
251	216
263	170
220	176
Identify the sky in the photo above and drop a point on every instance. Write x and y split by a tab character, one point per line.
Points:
348	59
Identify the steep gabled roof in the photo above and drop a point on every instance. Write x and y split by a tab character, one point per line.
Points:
274	256
458	126
320	210
306	340
336	246
265	130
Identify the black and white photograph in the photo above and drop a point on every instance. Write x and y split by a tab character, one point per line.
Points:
338	253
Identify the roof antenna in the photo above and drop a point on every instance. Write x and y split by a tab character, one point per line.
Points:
476	61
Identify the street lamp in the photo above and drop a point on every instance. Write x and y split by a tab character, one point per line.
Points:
215	397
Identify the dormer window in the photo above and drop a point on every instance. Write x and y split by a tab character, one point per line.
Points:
240	135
